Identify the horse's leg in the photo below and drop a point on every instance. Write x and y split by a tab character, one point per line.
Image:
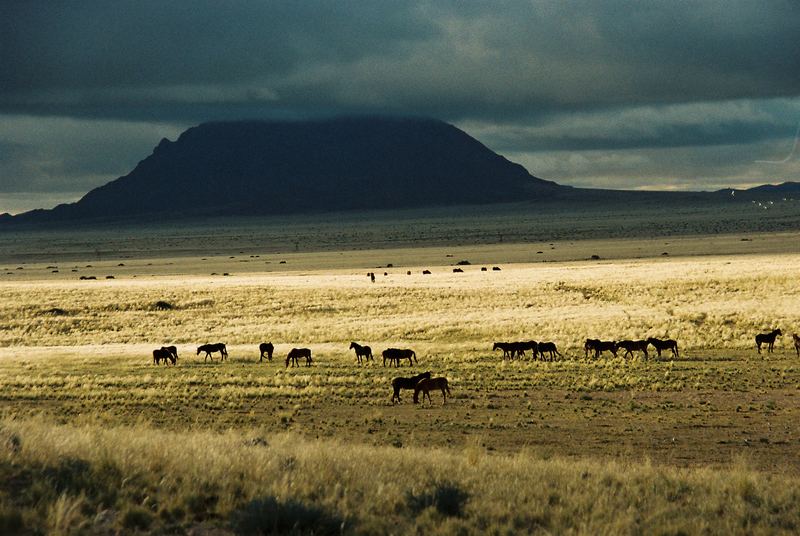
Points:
444	396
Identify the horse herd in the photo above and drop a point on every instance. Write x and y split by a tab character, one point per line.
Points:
420	383
539	350
596	347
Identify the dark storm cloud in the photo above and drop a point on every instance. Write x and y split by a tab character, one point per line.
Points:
585	92
456	60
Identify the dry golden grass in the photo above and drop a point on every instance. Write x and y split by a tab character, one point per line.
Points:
133	454
89	479
716	302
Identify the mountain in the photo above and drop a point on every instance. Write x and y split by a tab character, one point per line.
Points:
281	167
766	192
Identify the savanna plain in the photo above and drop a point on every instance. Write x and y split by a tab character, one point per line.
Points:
95	438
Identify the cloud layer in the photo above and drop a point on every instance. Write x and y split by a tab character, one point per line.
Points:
557	82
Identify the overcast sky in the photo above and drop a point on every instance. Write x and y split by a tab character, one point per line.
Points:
655	95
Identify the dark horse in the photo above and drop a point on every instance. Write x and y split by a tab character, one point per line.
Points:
432	383
598	347
211	348
768	339
509	348
634	346
397	354
668	344
407	383
548	347
165	353
265	348
796	340
361	351
295	354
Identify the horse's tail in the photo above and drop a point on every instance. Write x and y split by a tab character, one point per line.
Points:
676	349
447	387
414	355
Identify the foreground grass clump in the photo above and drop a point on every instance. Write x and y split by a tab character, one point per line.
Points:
59	479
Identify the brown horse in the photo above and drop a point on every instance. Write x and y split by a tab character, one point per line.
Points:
523	347
431	383
634	346
796	343
768	339
364	352
549	348
211	348
296	353
397	354
667	344
265	348
509	349
407	383
164	354
598	347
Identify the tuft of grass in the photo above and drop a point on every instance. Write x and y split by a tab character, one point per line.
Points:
447	498
271	516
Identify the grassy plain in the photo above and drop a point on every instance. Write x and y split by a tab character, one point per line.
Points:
96	438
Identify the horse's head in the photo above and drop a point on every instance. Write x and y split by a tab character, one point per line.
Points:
426	375
778	332
352	345
199	349
496	346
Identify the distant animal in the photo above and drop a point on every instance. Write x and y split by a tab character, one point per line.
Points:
523	347
768	339
590	346
508	348
211	348
266	348
364	352
600	346
296	353
667	344
549	348
397	354
426	272
634	346
162	354
427	385
172	350
406	383
796	343
457	270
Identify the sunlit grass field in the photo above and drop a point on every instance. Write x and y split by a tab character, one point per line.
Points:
240	445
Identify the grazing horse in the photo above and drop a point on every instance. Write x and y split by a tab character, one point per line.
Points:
265	348
667	344
211	348
508	348
397	354
598	347
768	339
296	353
407	383
550	348
796	343
590	346
431	383
523	347
164	354
362	351
634	346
